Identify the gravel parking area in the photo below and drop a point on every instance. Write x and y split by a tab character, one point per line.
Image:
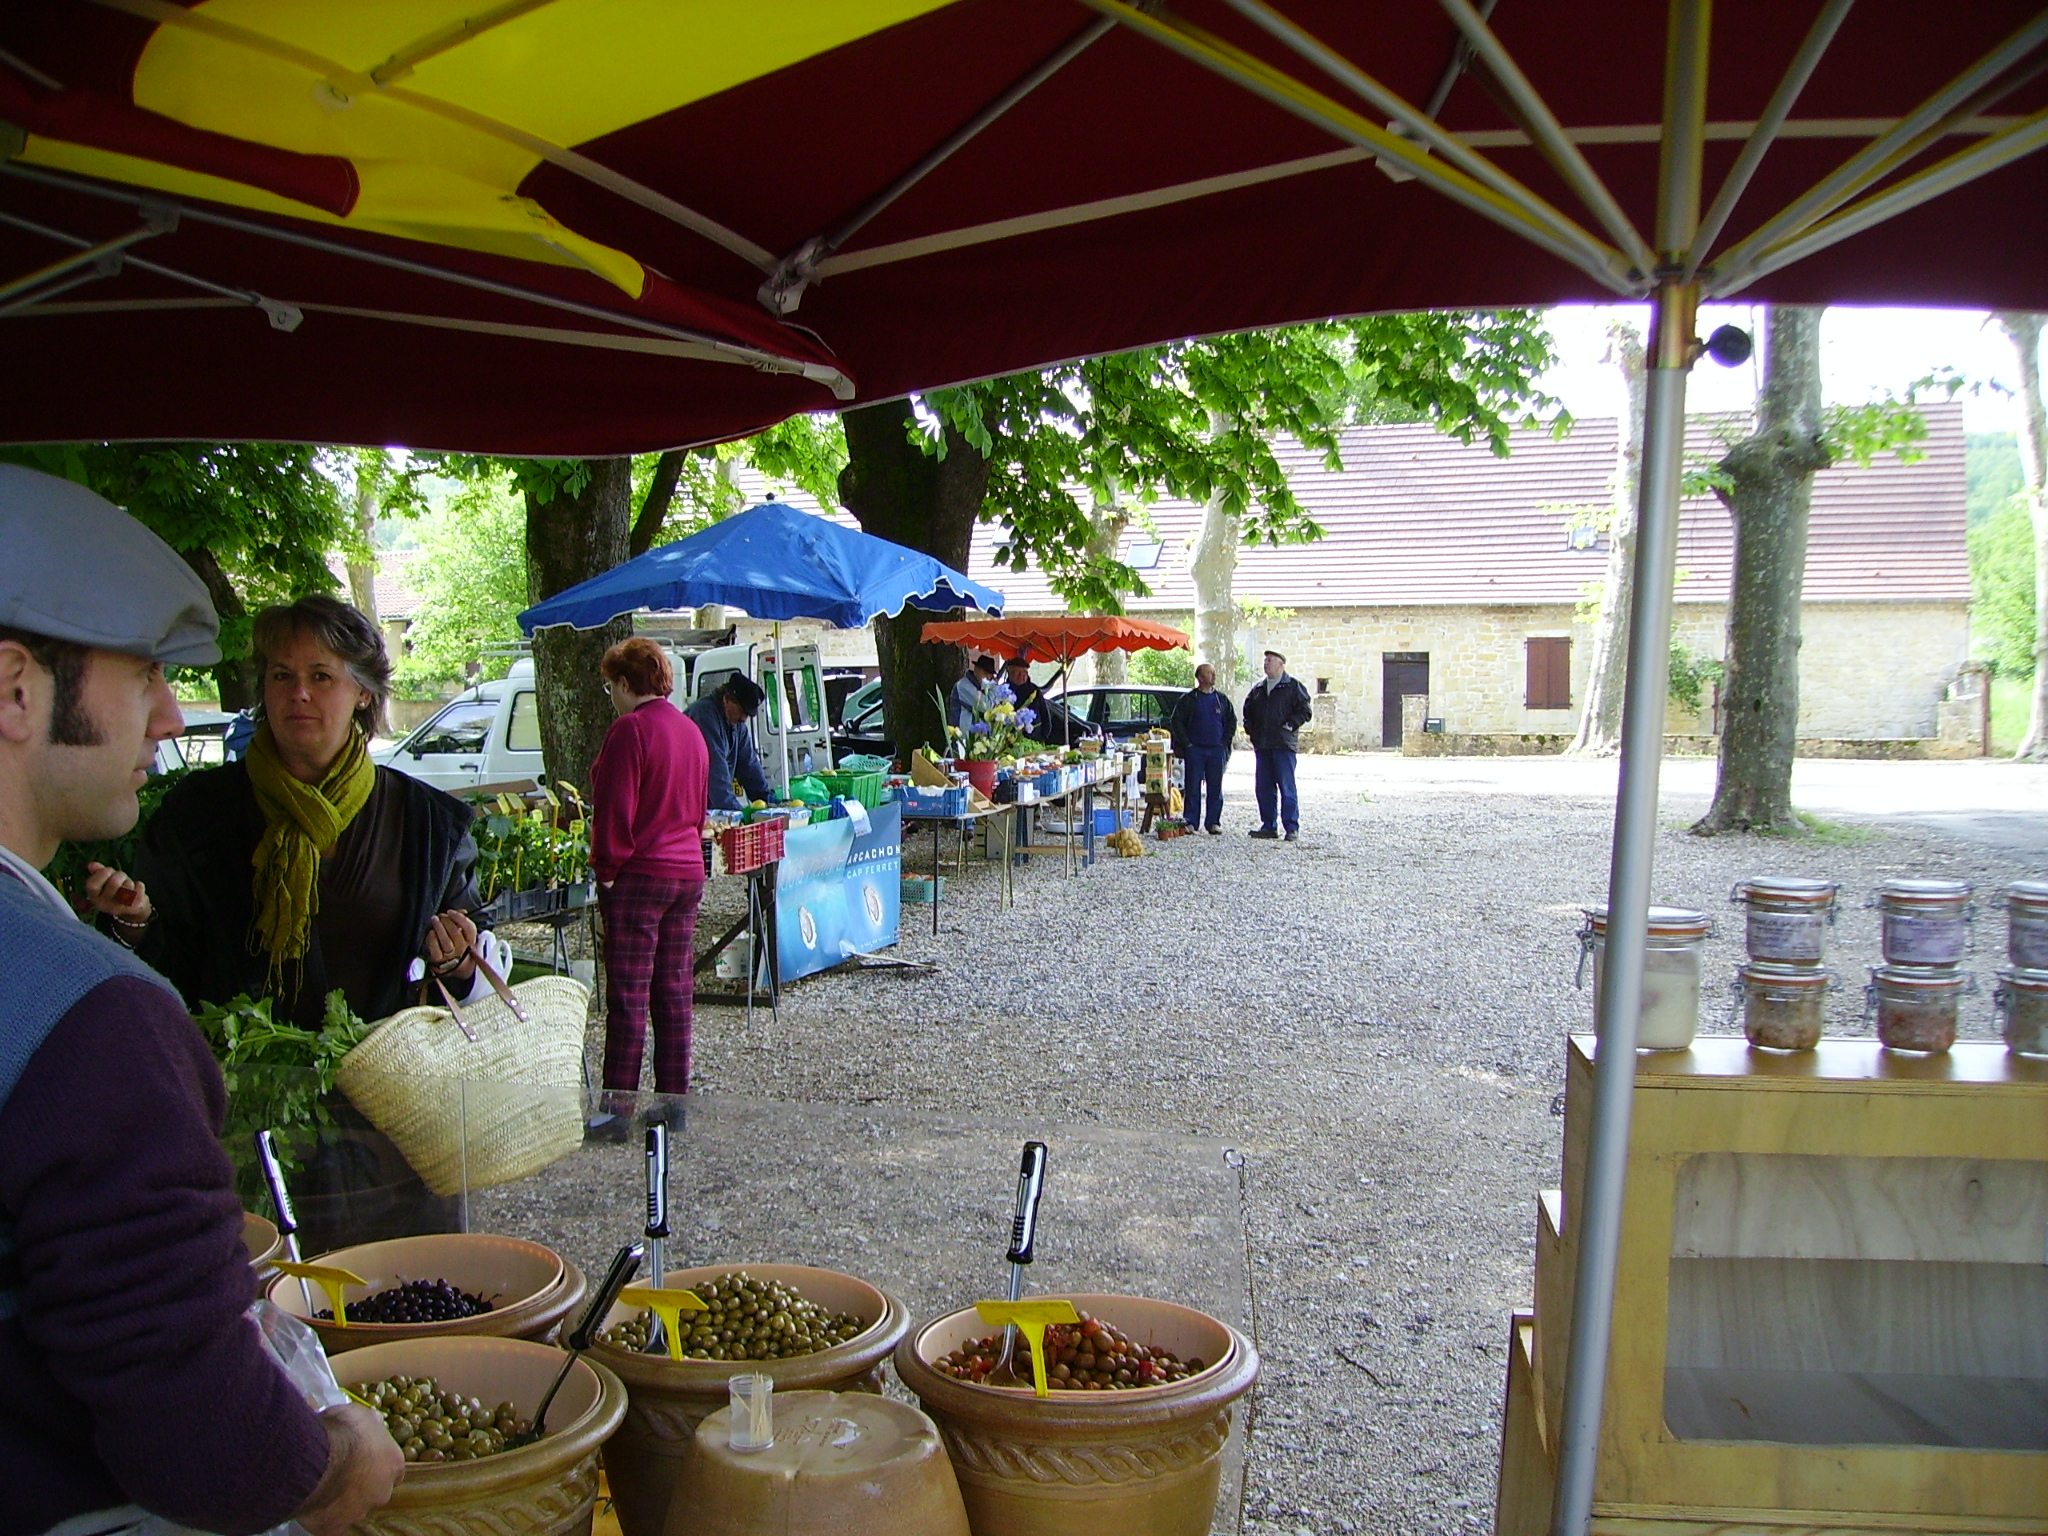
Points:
1374	1018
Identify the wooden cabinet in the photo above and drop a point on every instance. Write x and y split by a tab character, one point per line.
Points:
1832	1302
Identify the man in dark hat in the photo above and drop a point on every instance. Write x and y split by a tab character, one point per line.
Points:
132	1383
724	716
1274	711
968	693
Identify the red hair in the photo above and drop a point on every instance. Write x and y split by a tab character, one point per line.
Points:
641	665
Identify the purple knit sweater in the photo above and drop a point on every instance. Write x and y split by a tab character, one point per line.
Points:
129	1373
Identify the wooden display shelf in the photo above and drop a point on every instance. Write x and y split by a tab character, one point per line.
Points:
1831	1311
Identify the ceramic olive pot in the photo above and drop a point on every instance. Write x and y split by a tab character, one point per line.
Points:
531	1288
1145	1462
261	1239
842	1464
667	1399
548	1488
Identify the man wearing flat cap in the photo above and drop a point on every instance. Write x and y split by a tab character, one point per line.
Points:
1274	712
132	1383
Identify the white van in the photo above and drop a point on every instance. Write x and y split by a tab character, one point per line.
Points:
491	733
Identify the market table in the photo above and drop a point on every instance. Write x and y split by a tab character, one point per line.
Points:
995	815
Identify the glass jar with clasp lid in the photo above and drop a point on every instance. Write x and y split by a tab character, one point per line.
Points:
1915	1005
2026	924
1925	922
1671	973
1788	917
1783	1006
2021	999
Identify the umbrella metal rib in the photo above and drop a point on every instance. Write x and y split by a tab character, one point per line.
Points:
1581	249
784	289
715	348
1549	134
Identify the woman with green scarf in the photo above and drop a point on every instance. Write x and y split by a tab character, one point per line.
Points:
304	868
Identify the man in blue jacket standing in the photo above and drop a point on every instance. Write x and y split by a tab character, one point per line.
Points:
1203	725
1274	711
726	719
132	1381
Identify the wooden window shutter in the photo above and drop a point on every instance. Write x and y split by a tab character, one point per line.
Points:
1549	673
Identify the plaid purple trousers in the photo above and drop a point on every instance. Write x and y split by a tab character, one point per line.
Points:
650	927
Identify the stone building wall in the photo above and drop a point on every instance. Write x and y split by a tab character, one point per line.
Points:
1868	670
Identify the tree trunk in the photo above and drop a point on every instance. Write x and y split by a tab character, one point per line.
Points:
571	539
1771	474
362	574
661	495
1107	521
234	676
1600	711
2025	331
1212	566
899	492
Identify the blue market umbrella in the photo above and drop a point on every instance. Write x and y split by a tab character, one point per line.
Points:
771	562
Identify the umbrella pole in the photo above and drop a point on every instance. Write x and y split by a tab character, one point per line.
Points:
781	716
1598	1213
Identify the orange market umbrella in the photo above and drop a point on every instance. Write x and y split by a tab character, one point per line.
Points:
1057	638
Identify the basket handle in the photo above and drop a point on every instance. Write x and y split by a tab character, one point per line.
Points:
454	1009
505	994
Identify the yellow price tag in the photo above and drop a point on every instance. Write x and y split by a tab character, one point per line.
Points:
667	1305
1030	1318
328	1278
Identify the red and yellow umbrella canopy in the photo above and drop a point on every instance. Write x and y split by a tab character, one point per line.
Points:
593	226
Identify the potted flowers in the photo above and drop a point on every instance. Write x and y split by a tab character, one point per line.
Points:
997	731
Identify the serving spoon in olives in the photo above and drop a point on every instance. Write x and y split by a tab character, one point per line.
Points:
624	1267
1023	1233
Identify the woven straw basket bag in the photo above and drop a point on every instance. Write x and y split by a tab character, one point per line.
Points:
483	1112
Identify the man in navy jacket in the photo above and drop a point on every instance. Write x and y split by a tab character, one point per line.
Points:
1275	709
1203	725
132	1381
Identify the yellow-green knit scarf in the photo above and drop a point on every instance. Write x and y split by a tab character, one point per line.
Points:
300	822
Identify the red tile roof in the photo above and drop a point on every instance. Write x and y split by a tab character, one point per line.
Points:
1417	518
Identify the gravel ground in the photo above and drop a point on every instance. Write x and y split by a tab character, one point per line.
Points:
1374	1018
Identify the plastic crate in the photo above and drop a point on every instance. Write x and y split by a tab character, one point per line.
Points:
929	800
754	845
922	889
864	787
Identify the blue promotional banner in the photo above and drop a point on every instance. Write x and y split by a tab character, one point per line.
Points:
810	898
838	892
874	881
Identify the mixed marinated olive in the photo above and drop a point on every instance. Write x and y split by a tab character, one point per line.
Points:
431	1425
1088	1356
416	1301
746	1319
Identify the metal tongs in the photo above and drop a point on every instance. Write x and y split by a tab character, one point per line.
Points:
1023	1234
281	1202
624	1267
657	1226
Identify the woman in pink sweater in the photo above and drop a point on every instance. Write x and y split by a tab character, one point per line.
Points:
647	792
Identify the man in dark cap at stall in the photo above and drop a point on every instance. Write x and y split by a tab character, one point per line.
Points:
132	1382
725	716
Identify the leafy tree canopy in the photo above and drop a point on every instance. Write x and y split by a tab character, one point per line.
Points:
2002	590
1200	418
471	578
257	521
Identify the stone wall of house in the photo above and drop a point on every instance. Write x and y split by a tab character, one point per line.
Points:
1868	670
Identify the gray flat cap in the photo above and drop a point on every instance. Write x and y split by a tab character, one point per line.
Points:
74	566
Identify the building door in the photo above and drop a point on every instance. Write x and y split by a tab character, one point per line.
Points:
1401	673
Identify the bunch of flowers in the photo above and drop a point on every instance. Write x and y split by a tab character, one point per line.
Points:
999	728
